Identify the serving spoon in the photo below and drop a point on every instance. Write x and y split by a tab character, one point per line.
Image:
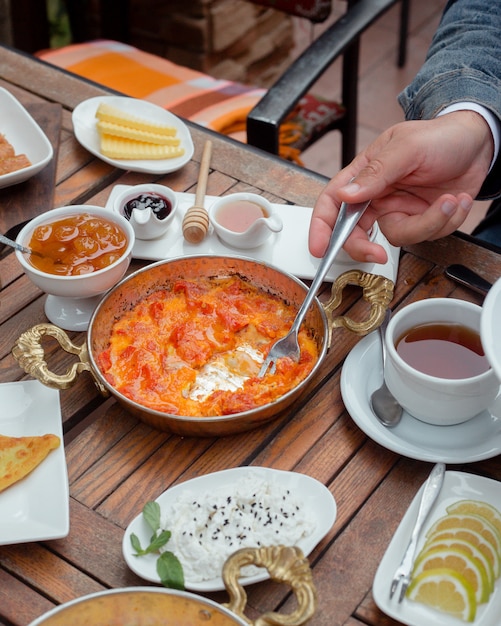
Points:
385	407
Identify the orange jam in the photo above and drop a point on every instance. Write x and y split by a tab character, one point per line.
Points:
77	244
194	348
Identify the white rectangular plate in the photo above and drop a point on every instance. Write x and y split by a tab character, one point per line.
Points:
37	507
286	250
457	486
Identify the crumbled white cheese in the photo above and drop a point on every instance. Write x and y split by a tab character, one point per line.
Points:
207	528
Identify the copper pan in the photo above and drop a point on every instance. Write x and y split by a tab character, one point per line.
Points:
29	353
144	606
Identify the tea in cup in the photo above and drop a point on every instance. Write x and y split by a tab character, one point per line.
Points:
436	367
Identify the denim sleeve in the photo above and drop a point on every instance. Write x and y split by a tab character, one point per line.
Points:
462	64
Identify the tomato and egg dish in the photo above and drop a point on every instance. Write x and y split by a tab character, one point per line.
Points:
77	244
194	348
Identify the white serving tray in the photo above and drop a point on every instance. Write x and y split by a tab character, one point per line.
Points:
286	250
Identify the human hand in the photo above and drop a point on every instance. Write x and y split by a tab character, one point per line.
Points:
421	178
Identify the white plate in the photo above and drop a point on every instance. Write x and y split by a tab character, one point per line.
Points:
286	250
84	126
37	507
457	486
26	137
490	327
314	494
479	438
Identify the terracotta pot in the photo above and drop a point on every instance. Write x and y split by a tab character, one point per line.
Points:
320	320
147	606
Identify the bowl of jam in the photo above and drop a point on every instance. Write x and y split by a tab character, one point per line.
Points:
79	252
149	208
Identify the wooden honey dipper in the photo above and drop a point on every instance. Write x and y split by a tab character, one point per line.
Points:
196	219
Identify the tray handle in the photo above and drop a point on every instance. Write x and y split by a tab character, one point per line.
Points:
285	565
30	354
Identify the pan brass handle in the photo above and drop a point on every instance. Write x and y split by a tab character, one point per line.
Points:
30	354
377	290
285	565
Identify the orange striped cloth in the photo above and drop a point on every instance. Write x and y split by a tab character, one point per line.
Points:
220	105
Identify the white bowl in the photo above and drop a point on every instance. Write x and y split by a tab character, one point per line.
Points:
72	299
257	233
434	400
25	136
145	223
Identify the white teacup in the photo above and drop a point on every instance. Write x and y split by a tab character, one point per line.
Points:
431	398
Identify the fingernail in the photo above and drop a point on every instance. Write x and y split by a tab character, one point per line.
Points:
449	207
465	204
351	188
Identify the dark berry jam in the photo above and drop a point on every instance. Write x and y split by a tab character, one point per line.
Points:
160	206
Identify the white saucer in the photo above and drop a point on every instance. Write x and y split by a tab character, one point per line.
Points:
479	438
490	328
84	125
457	486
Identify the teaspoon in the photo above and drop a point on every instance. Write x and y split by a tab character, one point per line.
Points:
17	246
385	407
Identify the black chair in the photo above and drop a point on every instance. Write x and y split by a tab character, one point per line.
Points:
342	39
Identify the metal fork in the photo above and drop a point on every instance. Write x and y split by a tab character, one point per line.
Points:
430	492
288	346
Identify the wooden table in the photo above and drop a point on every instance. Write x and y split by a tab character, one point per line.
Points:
117	463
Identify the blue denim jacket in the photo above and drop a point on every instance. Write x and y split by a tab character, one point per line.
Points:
462	64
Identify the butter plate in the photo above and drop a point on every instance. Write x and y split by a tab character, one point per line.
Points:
37	507
316	497
84	126
490	328
456	486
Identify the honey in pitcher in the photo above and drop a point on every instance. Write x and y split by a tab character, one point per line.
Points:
444	350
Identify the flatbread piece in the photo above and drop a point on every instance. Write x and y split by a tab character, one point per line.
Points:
21	455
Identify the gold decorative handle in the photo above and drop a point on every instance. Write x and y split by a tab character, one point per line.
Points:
29	353
377	290
285	565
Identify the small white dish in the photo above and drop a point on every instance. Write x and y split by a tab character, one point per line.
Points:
147	223
25	136
490	328
456	486
84	126
316	497
244	220
276	250
37	507
474	440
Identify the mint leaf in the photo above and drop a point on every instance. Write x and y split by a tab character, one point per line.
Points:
136	544
151	514
170	571
156	543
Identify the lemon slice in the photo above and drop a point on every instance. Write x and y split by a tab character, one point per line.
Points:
477	507
465	546
461	562
471	522
473	537
445	590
